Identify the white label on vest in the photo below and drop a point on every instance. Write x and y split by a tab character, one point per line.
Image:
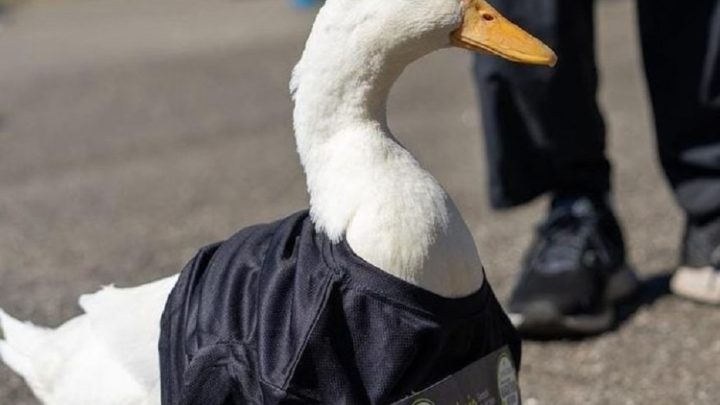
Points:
491	380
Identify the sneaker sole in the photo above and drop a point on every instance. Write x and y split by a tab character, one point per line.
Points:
544	319
697	284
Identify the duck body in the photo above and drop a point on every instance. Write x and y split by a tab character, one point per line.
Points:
376	291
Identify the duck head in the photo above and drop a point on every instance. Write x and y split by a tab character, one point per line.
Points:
358	48
422	26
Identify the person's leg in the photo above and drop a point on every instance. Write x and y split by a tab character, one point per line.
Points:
543	128
710	87
545	133
681	48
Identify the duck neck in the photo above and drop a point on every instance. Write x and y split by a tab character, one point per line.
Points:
363	185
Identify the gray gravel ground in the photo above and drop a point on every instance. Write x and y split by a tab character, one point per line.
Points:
133	132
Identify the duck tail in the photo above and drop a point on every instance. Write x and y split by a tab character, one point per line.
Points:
21	341
108	355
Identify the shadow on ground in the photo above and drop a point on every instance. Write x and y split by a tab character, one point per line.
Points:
650	291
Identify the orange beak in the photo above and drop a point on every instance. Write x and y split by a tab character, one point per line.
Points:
484	29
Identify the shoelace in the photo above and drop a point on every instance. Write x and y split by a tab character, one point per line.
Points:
565	235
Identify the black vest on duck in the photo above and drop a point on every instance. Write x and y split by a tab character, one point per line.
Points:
278	314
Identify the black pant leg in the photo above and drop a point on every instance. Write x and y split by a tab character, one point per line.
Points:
543	128
710	92
681	47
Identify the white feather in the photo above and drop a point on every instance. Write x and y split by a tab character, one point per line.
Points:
106	356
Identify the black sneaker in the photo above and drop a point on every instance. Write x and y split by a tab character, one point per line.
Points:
698	277
574	272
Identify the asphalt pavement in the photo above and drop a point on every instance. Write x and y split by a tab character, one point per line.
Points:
134	132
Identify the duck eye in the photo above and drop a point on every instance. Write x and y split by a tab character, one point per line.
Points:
488	17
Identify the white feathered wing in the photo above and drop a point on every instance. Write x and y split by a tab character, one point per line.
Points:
107	356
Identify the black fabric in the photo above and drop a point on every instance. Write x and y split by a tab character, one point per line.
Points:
278	314
543	127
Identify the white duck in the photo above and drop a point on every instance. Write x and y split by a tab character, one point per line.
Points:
364	186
